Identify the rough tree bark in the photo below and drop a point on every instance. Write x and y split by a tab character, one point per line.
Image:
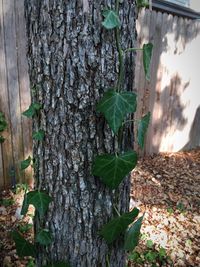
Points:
72	60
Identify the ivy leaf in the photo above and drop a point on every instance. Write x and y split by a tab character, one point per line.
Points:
23	247
38	135
40	200
116	226
111	20
2	139
44	237
142	128
111	169
58	264
115	106
32	110
147	54
3	123
25	163
133	234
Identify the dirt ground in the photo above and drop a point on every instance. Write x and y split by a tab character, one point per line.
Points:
166	187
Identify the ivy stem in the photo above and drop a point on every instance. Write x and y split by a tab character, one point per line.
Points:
107	261
132	49
116	210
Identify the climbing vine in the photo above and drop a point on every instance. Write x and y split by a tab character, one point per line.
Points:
116	104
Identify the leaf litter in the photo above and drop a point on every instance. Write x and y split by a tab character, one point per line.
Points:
167	188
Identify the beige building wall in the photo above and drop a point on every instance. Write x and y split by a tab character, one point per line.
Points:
195	4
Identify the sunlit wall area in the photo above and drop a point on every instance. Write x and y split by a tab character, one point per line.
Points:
172	95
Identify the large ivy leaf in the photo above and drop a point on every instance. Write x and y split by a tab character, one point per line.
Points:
58	264
111	169
25	163
115	106
111	20
142	128
133	234
44	237
32	110
147	54
40	200
39	135
23	247
116	226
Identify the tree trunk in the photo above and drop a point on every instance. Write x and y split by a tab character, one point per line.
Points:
72	61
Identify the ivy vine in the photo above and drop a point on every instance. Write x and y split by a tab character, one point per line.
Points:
111	169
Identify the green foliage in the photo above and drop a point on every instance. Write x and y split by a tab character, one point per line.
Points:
30	263
40	200
23	247
3	125
111	169
44	237
142	129
111	19
25	163
32	110
2	139
6	202
39	135
115	106
25	228
58	264
151	255
147	54
117	226
133	234
142	3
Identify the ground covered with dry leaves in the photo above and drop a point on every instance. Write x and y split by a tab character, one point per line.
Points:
166	187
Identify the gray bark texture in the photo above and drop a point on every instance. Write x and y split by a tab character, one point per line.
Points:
72	61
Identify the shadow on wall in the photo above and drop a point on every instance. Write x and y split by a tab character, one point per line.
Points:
168	115
194	138
171	94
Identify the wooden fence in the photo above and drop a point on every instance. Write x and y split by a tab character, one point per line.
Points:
14	91
171	95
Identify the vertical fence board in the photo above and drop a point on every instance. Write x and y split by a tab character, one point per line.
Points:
13	83
25	98
6	147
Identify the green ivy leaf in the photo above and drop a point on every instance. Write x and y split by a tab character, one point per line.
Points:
115	106
147	54
116	226
44	237
32	110
39	135
58	264
111	20
2	139
133	234
3	123
25	163
142	129
23	247
40	200
111	169
142	3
